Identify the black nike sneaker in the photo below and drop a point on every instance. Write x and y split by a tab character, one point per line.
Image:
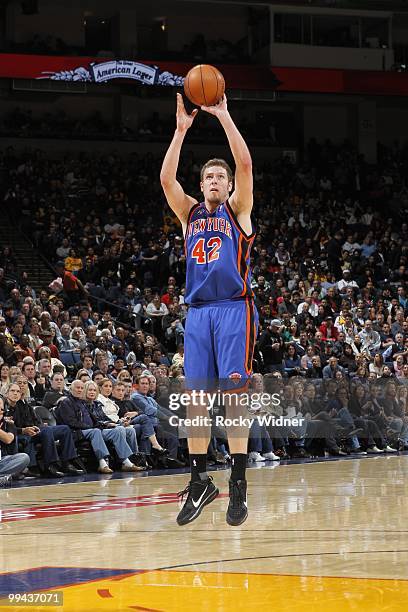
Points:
199	494
237	511
5	481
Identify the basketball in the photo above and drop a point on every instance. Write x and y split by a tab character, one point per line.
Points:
204	85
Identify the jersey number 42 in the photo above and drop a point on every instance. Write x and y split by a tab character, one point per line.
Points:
206	252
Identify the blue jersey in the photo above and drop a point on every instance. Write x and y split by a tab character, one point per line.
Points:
218	256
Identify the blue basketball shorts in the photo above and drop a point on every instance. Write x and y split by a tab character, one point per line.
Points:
219	344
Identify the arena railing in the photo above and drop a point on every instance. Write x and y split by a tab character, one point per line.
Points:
143	319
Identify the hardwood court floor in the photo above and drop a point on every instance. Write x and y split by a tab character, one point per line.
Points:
320	536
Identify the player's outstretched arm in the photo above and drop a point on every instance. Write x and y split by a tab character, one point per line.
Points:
242	198
178	201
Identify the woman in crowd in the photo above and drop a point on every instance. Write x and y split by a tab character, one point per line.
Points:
35	340
347	359
398	365
114	431
291	361
4	377
377	365
111	411
306	360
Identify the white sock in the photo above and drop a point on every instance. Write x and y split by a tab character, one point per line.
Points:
102	463
127	462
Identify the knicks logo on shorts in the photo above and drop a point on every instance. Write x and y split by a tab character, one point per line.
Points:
235	376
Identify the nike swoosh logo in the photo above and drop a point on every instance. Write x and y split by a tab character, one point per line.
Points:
197	503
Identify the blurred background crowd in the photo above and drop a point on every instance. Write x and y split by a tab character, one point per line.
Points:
329	281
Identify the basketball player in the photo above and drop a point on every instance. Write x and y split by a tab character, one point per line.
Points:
222	321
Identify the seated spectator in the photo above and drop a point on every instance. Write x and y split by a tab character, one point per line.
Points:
46	364
178	357
395	348
332	368
291	361
4	377
111	410
403	378
78	338
74	411
346	282
36	382
65	342
306	360
23	347
316	370
328	330
141	422
56	391
34	339
376	439
398	365
145	404
32	431
339	409
371	341
83	375
157	310
377	365
7	352
347	358
12	462
48	346
112	422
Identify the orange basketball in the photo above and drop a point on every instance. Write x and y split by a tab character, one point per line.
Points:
204	85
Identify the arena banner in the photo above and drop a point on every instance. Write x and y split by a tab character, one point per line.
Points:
85	69
101	72
244	77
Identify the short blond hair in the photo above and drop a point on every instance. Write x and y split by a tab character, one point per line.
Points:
81	372
216	162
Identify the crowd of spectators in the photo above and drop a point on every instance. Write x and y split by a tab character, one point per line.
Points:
329	280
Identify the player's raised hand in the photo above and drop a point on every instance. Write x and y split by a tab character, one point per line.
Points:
218	110
184	120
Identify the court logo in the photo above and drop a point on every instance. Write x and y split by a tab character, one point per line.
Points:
80	507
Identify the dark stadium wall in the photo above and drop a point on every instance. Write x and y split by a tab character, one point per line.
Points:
183	21
392	124
321	117
308	56
64	21
57	148
75	106
328	121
